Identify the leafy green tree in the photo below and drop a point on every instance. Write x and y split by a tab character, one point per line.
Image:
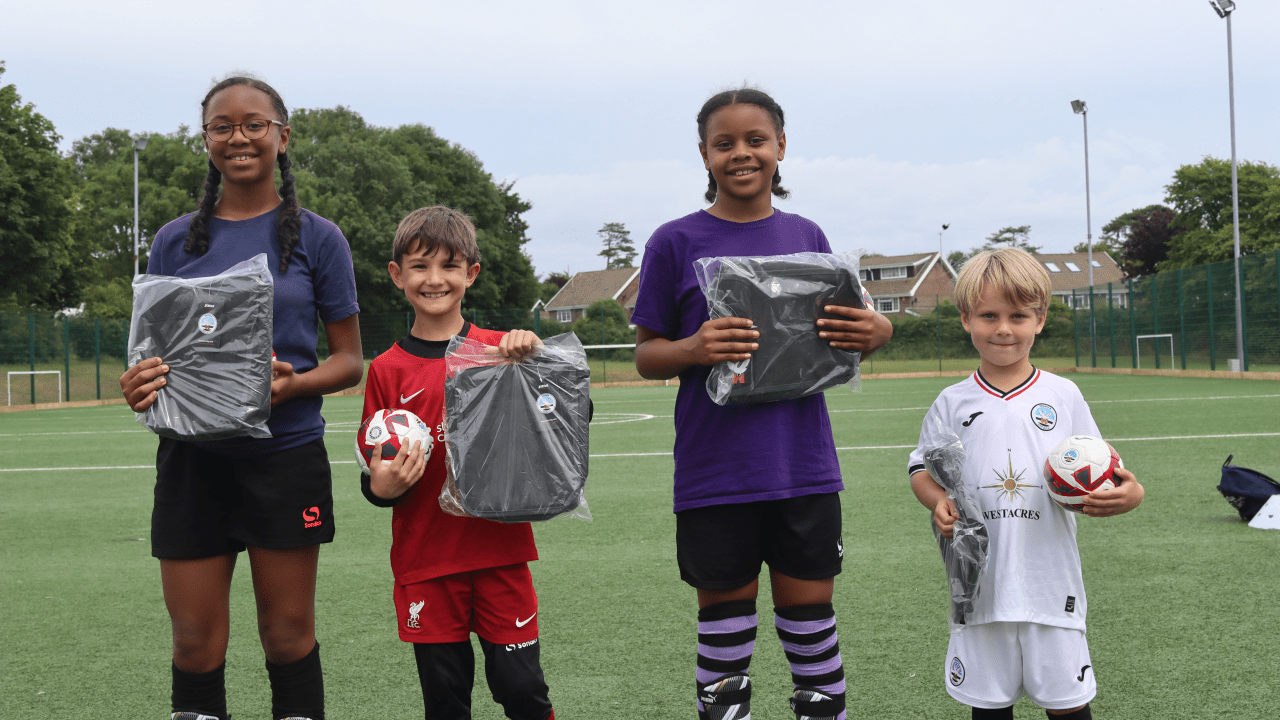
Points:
605	323
171	173
618	252
38	253
551	285
365	179
1017	237
1201	195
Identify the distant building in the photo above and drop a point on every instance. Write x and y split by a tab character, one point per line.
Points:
1070	271
908	284
571	302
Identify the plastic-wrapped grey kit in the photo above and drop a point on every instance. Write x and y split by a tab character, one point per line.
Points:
214	333
964	554
516	432
784	296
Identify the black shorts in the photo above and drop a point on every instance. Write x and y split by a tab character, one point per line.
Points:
208	504
721	547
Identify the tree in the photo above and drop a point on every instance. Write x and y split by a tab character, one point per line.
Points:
171	173
38	253
1016	237
605	323
1143	236
1201	195
618	251
552	284
366	178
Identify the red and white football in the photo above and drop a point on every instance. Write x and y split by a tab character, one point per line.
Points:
1078	466
392	428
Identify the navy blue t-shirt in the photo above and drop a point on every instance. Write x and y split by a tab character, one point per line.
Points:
319	284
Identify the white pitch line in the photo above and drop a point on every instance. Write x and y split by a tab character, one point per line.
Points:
659	454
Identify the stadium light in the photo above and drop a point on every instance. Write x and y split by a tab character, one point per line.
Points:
1078	107
139	143
1224	8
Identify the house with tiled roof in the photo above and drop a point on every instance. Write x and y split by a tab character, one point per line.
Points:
907	284
584	288
1070	271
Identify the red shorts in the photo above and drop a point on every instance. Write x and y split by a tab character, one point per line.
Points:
498	604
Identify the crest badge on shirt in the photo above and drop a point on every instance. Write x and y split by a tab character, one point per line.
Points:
1044	416
208	323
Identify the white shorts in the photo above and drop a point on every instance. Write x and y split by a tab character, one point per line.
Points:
991	665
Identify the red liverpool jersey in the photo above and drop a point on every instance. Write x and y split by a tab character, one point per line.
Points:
427	542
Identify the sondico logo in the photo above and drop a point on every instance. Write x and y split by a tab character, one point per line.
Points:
311	517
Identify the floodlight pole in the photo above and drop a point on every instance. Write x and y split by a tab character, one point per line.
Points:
1079	108
1224	9
139	143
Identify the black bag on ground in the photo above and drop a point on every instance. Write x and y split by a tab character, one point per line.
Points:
214	333
516	433
784	296
1247	490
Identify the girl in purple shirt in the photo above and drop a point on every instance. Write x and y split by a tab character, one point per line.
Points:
753	483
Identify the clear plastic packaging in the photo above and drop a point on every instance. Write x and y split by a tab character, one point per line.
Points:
784	296
214	333
964	554
516	432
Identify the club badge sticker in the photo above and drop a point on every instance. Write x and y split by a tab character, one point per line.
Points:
546	403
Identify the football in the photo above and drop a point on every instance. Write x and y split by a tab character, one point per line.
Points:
1078	466
392	428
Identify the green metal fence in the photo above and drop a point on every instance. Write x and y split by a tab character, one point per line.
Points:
1183	319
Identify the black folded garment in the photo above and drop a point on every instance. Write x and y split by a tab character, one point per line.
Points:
214	333
964	554
517	435
784	299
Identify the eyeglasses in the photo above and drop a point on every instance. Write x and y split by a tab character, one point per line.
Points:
221	131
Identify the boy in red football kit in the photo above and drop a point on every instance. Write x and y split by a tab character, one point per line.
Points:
453	575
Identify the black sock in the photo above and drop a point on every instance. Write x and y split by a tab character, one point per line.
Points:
1083	713
1004	713
297	688
205	693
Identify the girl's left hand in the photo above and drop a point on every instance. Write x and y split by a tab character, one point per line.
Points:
865	330
282	382
1120	499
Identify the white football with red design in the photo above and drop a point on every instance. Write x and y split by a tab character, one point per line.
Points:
392	428
1078	466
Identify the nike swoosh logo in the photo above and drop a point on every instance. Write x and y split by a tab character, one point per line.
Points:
522	623
968	422
1086	667
404	399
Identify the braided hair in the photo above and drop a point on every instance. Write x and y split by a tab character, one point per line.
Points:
749	96
289	223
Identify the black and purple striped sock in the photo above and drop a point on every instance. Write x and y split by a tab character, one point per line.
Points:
808	634
726	639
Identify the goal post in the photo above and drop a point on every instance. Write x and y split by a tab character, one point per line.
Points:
1154	339
32	373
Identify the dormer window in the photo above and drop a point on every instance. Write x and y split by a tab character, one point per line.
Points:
893	273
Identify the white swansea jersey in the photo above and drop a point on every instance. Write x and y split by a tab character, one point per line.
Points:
1033	566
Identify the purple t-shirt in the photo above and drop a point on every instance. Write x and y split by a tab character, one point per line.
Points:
320	283
732	453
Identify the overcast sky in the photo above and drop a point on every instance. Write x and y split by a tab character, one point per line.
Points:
901	116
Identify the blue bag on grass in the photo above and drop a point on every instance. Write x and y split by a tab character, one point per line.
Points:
1247	490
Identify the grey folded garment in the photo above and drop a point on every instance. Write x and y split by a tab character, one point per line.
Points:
517	433
214	333
964	554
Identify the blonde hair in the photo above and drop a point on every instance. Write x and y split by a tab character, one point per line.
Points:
1018	277
436	228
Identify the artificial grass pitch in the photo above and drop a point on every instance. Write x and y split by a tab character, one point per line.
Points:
1183	606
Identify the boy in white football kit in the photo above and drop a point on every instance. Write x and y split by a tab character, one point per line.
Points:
1026	633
